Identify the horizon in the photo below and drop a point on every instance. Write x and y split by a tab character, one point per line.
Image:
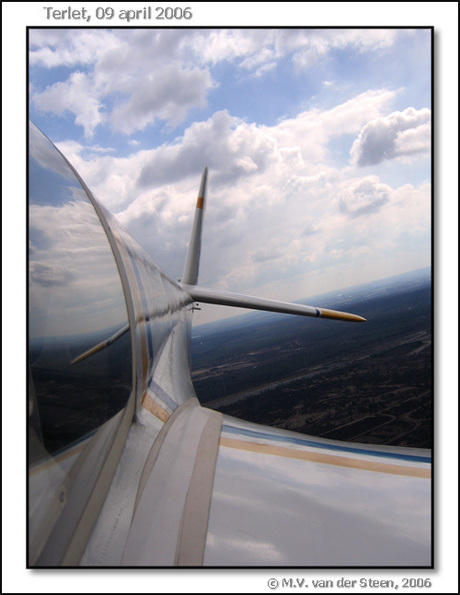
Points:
240	312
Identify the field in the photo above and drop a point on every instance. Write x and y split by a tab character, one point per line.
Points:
369	382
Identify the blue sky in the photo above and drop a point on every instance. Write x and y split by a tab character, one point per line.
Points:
318	143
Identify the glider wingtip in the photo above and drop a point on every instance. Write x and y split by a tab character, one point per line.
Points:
345	316
204	177
358	318
202	190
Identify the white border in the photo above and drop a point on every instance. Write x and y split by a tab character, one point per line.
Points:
16	17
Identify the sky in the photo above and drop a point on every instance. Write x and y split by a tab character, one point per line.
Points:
317	140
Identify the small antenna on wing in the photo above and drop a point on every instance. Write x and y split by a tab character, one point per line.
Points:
192	261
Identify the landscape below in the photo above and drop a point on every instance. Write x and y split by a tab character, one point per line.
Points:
370	383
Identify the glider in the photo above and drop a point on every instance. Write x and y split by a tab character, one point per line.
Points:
126	468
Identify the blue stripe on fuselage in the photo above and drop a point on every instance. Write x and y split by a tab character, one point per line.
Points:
336	447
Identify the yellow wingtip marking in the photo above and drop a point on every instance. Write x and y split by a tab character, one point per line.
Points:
334	315
87	354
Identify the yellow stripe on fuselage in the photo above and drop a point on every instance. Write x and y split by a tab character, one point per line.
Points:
154	408
319	457
200	202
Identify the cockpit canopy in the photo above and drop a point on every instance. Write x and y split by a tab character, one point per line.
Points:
76	301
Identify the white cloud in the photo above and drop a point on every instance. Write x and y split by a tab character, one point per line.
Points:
230	147
292	153
78	96
129	79
112	179
289	219
133	78
280	214
257	49
400	134
414	141
61	47
230	44
308	47
261	179
167	95
289	231
365	197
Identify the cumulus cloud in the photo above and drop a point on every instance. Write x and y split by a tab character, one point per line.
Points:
77	95
112	179
292	152
223	45
265	227
129	80
279	207
133	79
257	50
253	164
310	228
266	254
230	147
310	46
167	96
365	197
401	134
51	48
